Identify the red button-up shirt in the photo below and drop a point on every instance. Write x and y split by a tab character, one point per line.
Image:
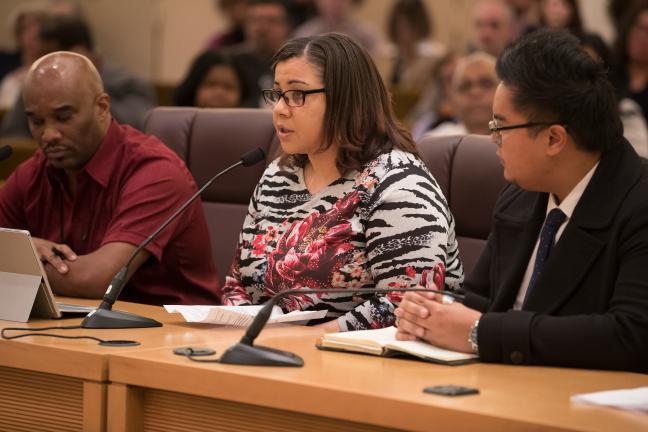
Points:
127	189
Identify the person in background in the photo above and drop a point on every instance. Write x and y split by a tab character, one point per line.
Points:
131	98
493	22
212	81
96	189
348	204
337	16
27	21
471	93
618	10
268	25
632	57
563	279
561	14
414	56
635	128
526	16
435	105
234	11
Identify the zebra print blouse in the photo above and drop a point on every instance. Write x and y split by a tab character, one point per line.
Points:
387	226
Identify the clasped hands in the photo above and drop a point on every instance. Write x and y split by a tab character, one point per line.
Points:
425	316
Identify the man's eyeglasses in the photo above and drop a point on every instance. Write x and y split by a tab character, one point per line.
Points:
292	98
496	131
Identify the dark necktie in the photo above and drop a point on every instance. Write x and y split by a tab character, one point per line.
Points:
554	219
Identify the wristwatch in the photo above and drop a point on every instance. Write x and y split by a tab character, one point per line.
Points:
472	337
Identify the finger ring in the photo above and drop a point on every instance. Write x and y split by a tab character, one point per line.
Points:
396	322
446	299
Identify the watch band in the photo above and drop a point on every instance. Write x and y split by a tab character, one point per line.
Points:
472	337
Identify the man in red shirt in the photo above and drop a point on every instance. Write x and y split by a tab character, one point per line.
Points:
96	189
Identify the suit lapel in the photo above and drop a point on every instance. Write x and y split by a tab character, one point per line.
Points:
577	249
515	239
569	262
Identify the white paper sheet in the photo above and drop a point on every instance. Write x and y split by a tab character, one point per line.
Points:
628	399
240	316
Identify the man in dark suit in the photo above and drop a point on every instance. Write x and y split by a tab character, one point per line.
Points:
564	277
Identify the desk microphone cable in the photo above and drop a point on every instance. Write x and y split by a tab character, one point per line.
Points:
34	332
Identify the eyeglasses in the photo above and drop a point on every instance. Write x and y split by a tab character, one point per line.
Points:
481	83
496	131
292	98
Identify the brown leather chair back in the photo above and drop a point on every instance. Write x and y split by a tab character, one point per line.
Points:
471	177
209	140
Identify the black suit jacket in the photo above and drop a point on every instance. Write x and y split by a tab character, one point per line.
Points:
589	307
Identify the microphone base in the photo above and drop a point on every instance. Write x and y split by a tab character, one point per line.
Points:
242	354
110	319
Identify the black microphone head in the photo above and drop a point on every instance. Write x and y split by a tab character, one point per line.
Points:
253	156
7	150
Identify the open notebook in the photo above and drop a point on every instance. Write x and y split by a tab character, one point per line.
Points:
382	342
24	288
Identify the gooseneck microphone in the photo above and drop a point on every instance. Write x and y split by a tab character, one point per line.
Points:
104	316
5	152
246	353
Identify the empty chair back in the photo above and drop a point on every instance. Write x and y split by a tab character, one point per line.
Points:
209	140
471	177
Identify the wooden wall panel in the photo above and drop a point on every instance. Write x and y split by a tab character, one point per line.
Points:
175	412
34	401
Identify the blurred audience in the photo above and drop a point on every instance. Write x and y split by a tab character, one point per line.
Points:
435	105
493	21
336	16
634	124
234	11
526	16
27	20
268	25
617	11
413	53
212	81
471	94
632	57
561	14
131	97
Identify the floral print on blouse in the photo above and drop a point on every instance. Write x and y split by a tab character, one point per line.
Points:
387	226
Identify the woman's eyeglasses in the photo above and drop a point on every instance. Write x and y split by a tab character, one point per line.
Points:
292	98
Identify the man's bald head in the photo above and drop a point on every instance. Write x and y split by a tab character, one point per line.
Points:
67	108
66	67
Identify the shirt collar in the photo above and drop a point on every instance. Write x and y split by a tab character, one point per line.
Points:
103	163
571	200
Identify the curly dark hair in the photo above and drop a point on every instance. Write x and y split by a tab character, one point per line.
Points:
359	115
185	93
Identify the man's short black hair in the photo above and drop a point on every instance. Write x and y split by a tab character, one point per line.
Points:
554	79
67	32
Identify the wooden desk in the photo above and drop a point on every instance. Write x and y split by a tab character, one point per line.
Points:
156	390
61	384
54	384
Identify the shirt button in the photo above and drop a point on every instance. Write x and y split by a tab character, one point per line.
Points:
517	357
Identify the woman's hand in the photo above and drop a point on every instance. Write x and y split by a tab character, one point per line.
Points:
330	326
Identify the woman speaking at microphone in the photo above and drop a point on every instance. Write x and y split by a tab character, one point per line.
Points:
348	204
